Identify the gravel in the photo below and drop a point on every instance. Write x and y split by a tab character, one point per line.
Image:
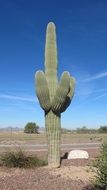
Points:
44	178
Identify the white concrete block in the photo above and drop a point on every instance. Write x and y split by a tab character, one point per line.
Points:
76	154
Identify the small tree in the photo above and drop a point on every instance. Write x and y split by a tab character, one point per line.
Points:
31	128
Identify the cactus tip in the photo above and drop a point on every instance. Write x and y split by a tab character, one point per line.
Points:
51	25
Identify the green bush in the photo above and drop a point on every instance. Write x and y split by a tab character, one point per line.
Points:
31	128
101	166
21	160
103	129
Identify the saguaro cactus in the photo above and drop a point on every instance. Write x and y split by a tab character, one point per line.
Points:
53	97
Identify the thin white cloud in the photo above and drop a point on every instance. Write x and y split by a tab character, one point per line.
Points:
95	77
101	90
11	97
101	96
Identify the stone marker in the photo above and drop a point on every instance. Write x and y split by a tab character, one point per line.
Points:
78	154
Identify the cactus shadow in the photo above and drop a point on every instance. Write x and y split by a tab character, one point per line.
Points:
65	156
66	104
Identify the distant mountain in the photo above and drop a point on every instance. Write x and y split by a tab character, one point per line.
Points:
14	129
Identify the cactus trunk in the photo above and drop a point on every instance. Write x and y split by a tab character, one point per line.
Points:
53	130
54	97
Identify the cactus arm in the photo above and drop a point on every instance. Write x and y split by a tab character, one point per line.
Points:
72	88
69	95
61	92
42	90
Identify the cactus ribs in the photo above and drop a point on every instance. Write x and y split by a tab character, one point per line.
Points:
54	97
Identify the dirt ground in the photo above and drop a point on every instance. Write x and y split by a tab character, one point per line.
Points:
64	178
72	175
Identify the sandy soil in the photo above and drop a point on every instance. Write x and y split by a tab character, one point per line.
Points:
44	178
74	172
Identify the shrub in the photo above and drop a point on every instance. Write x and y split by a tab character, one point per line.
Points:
103	129
31	128
101	165
21	160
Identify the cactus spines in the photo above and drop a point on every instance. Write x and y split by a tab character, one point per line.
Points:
54	97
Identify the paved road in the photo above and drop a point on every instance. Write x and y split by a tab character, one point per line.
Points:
43	147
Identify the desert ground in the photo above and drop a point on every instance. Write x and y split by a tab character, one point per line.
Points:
64	178
36	143
72	175
21	137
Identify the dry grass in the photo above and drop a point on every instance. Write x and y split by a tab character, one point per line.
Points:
21	137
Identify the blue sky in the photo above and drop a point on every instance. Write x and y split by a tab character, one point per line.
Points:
82	50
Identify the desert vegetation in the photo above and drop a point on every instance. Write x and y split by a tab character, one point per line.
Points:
100	163
85	130
79	174
20	159
31	128
8	136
